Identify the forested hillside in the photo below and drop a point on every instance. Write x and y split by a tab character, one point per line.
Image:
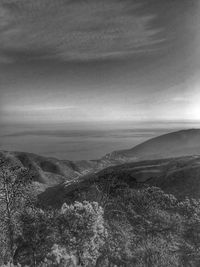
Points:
109	223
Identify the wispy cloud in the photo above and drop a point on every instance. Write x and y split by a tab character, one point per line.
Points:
74	30
38	108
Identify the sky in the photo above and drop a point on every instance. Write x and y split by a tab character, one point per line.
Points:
99	60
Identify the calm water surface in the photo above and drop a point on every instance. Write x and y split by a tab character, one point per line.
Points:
75	141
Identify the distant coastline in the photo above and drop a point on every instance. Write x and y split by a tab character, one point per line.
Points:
76	141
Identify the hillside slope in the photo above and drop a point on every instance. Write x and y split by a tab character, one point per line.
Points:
175	144
52	171
177	176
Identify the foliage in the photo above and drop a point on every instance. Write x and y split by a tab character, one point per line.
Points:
14	195
135	227
60	256
147	227
35	238
75	233
81	230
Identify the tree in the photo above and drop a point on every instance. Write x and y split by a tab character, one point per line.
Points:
59	256
14	181
36	236
81	231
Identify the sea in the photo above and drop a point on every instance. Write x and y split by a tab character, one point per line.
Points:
83	140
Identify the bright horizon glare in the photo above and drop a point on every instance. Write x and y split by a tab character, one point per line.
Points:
165	106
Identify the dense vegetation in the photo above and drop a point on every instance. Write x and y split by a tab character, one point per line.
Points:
110	224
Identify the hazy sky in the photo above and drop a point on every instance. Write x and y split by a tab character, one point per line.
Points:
87	60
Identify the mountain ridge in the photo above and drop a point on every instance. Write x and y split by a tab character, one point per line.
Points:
179	143
50	171
177	176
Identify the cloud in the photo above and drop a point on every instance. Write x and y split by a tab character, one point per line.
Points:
74	30
37	108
